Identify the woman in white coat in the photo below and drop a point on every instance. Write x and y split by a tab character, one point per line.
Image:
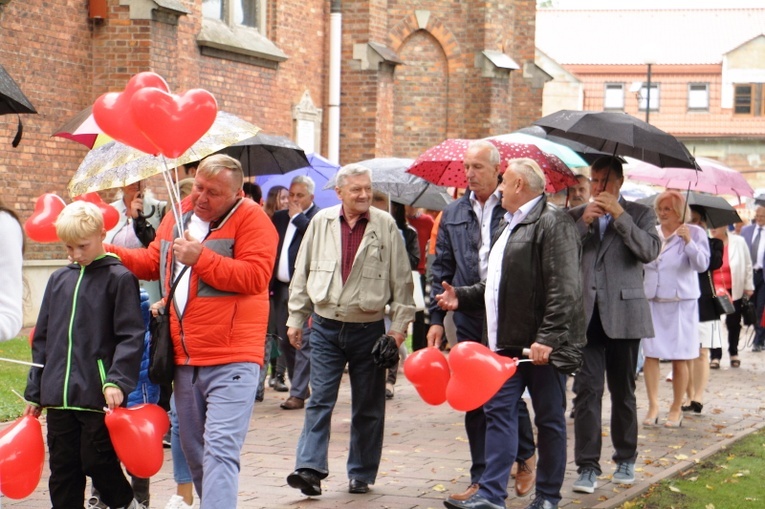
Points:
672	287
735	276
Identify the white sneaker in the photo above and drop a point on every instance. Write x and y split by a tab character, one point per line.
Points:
176	502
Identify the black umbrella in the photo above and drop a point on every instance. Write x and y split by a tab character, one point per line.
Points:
717	211
588	153
566	358
13	100
266	154
619	134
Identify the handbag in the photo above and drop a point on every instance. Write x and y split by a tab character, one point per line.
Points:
161	350
748	311
721	299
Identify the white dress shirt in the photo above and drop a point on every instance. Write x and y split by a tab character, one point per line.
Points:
484	213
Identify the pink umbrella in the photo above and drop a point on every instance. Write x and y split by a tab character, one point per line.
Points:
714	178
442	164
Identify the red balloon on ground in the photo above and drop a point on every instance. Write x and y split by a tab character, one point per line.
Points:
22	454
477	375
428	372
136	435
41	226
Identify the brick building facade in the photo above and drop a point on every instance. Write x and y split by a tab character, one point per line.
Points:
412	73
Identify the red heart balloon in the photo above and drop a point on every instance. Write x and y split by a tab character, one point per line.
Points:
136	435
111	112
477	375
40	226
111	215
428	371
22	454
173	122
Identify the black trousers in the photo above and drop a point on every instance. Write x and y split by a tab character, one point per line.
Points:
733	324
616	361
79	446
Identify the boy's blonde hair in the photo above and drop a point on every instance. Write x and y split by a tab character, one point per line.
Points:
78	221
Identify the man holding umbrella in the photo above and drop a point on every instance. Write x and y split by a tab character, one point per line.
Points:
618	237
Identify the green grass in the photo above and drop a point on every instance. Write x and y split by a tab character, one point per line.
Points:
730	479
13	376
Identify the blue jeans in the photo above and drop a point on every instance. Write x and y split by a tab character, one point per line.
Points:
333	345
214	405
181	472
547	387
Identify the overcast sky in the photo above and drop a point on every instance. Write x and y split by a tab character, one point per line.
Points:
654	4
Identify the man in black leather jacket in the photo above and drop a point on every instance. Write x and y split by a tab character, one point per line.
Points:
533	300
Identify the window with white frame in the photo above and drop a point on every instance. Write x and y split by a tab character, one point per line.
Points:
644	98
698	97
235	29
613	98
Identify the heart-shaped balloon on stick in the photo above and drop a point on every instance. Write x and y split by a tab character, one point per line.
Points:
41	225
428	372
111	215
136	435
22	454
173	122
111	112
477	375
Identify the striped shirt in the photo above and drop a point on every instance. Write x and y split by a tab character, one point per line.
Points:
351	240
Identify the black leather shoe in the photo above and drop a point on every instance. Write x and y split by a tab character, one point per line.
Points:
356	486
305	480
474	502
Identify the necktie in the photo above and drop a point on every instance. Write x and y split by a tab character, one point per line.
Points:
604	219
756	246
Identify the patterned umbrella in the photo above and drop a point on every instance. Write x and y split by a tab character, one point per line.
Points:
442	164
566	154
714	178
116	165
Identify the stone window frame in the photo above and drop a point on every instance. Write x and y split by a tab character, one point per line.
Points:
224	38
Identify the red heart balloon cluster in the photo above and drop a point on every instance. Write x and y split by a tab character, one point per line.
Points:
146	116
472	376
136	435
22	454
111	215
41	225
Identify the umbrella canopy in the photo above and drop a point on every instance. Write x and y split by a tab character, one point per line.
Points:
714	178
12	99
586	152
566	154
442	164
321	170
619	134
716	209
83	128
266	154
116	165
390	177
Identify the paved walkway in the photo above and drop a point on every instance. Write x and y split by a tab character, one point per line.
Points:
426	452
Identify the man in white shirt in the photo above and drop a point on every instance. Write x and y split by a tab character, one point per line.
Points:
291	225
754	235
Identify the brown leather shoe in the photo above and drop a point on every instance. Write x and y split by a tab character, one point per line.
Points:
526	477
293	403
469	492
514	470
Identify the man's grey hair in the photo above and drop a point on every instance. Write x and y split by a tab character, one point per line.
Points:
307	181
494	157
351	170
531	173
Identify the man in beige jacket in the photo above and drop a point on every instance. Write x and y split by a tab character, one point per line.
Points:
351	264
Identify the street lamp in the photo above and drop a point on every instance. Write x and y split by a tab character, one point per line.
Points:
648	95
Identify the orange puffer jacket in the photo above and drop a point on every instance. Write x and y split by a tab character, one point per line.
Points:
226	313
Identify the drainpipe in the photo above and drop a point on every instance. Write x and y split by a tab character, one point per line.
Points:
335	54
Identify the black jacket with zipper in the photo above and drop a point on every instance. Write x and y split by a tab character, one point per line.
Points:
89	333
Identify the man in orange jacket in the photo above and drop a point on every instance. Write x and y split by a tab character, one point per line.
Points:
222	261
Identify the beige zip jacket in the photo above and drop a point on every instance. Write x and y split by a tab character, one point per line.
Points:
380	275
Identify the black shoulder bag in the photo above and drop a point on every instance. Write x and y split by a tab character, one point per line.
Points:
161	351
